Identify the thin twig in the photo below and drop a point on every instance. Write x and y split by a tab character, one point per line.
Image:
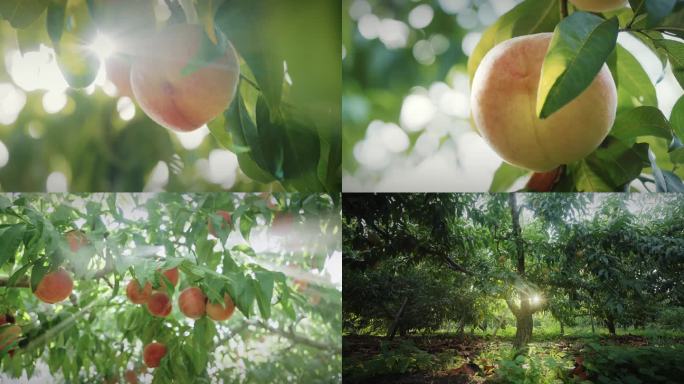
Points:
564	9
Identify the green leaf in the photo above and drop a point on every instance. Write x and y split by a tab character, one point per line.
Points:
291	146
610	167
634	87
21	13
237	20
675	52
242	127
5	202
37	272
10	239
655	10
578	50
264	292
641	121
245	297
56	16
528	17
505	176
78	64
677	118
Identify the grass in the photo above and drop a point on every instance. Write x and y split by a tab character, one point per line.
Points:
652	355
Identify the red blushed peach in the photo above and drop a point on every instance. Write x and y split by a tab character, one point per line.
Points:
77	240
137	295
159	304
221	312
300	285
153	353
131	377
54	286
598	5
282	223
503	101
192	302
227	222
119	73
177	101
9	335
172	275
544	182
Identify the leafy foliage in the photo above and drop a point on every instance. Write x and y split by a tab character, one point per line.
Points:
98	333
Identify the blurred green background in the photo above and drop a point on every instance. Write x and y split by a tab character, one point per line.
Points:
56	138
406	113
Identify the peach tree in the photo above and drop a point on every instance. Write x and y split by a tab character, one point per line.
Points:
251	302
262	81
553	92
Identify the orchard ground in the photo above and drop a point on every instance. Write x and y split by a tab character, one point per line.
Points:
479	356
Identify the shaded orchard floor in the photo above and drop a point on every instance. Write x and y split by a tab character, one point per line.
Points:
485	359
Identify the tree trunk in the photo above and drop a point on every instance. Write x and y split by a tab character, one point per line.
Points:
610	324
523	315
395	323
562	328
523	324
461	327
591	316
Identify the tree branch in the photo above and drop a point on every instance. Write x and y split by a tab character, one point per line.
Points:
294	337
564	9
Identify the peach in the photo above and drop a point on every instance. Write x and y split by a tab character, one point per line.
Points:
221	312
171	274
301	285
192	302
504	96
119	72
182	102
598	5
544	182
153	353
137	295
9	335
159	304
282	222
227	221
77	240
131	377
54	286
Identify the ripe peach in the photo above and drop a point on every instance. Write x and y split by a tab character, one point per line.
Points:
282	222
598	5
159	304
153	353
221	312
544	182
119	72
137	295
192	302
504	96
9	335
54	287
77	240
227	221
172	99
131	377
301	285
171	274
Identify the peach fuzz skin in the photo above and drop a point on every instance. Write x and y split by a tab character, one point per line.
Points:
178	102
503	100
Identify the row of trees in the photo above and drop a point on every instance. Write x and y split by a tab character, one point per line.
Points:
616	258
